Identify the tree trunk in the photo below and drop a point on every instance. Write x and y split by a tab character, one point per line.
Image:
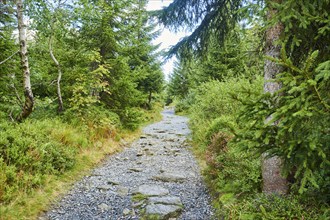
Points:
59	76
29	101
149	99
273	182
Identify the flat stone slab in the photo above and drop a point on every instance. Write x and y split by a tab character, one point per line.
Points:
166	200
104	207
151	190
170	177
112	182
163	211
135	169
122	191
104	187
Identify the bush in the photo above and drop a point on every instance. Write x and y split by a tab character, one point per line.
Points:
219	101
184	104
230	171
95	120
131	118
33	149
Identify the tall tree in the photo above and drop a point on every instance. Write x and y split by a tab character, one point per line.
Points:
143	55
273	182
29	100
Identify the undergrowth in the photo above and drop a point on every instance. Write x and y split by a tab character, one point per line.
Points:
233	172
42	156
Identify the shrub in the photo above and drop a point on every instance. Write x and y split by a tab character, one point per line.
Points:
33	149
131	117
231	172
184	104
96	120
219	101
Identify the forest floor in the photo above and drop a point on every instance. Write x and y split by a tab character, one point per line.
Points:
157	177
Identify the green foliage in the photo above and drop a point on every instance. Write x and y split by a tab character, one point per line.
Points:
235	129
209	19
183	105
238	57
215	100
131	117
307	28
33	149
179	81
272	207
87	85
108	60
230	171
298	130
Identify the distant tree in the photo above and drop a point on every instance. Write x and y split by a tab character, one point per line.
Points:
179	80
143	55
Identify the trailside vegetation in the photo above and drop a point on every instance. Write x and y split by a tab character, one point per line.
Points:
76	77
238	116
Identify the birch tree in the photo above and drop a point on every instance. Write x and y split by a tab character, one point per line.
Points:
29	100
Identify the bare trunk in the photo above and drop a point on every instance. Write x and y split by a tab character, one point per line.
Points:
59	76
29	101
273	182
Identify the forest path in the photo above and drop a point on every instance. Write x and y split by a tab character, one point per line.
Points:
156	175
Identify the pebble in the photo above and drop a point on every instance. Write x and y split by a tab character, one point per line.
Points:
126	211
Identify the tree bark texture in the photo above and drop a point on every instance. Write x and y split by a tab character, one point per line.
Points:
59	76
273	182
29	100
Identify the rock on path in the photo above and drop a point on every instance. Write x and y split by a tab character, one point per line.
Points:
156	176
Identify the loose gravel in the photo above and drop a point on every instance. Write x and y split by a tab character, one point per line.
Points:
160	158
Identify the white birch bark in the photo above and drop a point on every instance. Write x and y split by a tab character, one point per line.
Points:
29	100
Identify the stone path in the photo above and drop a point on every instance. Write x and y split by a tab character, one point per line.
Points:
157	177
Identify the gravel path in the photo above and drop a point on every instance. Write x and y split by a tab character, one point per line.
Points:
156	175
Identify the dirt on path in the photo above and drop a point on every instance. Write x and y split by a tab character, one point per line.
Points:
157	177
